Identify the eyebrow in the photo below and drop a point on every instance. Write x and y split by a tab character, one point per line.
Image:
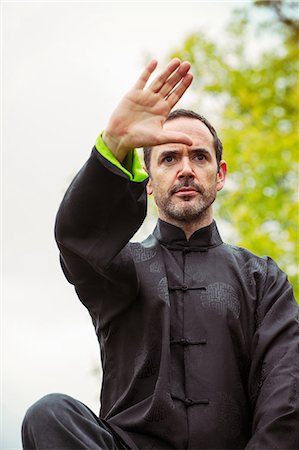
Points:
177	152
200	150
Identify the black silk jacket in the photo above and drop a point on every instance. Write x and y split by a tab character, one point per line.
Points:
199	339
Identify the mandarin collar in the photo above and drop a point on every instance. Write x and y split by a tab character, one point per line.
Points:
173	236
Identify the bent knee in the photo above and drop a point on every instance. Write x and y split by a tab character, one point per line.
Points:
51	405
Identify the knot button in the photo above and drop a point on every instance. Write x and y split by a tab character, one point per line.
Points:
188	402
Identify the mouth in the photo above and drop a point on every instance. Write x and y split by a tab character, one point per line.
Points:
186	192
186	188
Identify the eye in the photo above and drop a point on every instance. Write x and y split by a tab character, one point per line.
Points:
200	157
168	158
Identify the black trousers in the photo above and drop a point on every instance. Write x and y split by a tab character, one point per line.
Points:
59	422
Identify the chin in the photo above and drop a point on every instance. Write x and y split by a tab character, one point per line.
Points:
186	214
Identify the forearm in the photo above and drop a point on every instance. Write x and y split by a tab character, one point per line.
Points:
130	166
114	143
100	212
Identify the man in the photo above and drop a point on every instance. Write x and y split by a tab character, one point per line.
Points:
199	339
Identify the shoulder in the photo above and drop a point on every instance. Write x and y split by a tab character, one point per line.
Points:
260	270
245	257
248	263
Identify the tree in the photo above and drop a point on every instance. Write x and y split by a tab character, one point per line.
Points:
257	96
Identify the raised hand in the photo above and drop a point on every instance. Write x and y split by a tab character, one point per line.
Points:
139	118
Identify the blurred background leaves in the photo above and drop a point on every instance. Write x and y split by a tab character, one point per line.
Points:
253	97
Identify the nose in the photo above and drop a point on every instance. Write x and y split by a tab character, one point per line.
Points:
186	169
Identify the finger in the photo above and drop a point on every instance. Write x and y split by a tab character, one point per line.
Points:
160	80
172	81
170	137
143	79
179	91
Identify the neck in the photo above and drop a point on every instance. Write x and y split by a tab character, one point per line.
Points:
205	219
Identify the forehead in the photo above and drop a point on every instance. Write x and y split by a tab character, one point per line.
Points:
194	128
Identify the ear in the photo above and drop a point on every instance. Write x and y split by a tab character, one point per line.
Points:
149	187
221	175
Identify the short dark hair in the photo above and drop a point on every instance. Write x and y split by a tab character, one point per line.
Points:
176	114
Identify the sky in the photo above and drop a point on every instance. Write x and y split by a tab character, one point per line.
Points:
65	65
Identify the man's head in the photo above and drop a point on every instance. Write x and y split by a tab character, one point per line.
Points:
185	179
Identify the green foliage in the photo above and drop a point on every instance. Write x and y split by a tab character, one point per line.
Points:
256	96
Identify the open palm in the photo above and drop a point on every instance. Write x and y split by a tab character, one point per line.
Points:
139	118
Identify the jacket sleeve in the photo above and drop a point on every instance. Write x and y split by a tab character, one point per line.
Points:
274	373
100	212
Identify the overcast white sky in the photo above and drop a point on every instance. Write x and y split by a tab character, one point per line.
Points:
65	65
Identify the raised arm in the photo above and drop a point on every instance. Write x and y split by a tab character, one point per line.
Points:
139	118
103	208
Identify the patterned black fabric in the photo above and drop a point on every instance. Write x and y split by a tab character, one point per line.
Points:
199	339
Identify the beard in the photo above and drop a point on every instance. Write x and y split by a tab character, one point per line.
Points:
185	209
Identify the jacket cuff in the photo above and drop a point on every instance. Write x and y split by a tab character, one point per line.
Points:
131	165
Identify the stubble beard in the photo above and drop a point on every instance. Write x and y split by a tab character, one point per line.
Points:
186	209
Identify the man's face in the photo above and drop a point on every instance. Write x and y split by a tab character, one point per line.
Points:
184	180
